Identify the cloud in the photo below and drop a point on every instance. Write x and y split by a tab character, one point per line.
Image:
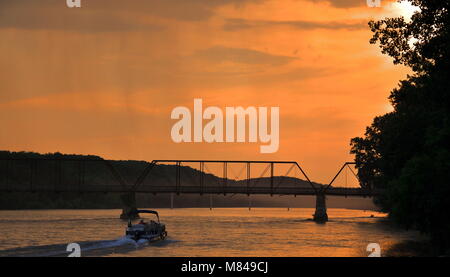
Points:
104	15
346	4
343	3
236	24
320	120
221	79
220	54
74	22
51	15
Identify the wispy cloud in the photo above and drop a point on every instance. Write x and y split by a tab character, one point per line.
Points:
235	24
48	15
219	54
343	3
105	15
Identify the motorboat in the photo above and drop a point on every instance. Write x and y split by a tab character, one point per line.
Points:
146	229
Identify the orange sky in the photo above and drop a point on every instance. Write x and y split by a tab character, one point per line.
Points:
104	78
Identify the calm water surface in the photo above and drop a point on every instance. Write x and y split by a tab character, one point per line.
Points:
199	232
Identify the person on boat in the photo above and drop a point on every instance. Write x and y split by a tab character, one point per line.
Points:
141	222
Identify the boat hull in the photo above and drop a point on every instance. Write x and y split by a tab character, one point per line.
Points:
136	236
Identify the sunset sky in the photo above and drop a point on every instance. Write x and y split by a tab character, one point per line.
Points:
103	79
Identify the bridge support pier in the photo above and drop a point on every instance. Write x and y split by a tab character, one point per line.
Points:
321	215
129	206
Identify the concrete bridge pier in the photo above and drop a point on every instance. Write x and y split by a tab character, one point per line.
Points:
321	216
129	206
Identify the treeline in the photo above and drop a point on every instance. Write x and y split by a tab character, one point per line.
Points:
407	152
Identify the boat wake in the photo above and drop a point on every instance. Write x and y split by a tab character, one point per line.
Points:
87	248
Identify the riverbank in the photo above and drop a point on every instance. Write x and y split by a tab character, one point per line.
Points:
418	247
411	248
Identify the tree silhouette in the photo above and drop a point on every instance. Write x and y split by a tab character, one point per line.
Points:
406	152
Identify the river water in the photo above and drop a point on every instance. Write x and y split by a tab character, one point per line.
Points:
200	232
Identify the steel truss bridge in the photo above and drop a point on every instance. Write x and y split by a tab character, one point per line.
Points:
95	175
98	175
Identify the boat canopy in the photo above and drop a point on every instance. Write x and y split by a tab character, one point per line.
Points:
147	212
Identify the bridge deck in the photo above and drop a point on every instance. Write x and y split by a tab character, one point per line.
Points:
199	190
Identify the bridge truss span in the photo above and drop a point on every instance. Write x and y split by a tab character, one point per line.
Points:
165	176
